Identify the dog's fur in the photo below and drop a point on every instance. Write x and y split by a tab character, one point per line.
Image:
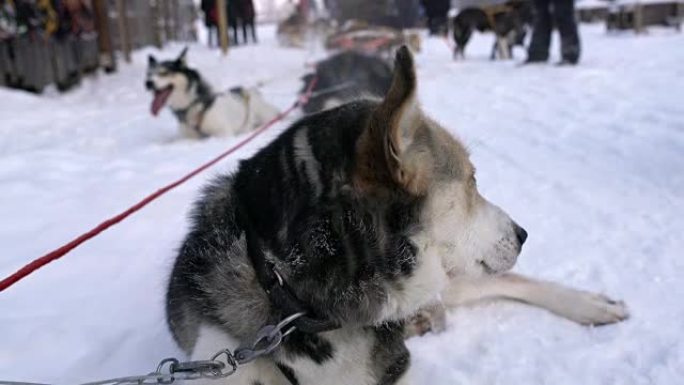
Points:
346	76
200	111
369	211
510	23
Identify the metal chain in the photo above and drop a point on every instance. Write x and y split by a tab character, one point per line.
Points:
220	365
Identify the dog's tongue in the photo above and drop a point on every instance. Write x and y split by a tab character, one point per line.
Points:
160	99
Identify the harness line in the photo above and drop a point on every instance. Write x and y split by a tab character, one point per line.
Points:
66	248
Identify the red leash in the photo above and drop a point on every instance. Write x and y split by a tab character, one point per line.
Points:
63	250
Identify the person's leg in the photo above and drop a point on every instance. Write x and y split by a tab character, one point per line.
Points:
443	22
541	36
564	16
235	32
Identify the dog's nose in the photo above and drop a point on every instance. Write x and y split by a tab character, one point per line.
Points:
520	233
149	85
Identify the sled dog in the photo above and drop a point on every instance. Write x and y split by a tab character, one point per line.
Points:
200	111
359	216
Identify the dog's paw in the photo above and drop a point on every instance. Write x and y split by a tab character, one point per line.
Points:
593	309
428	319
418	325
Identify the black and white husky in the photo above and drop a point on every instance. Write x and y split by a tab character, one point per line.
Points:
200	111
368	212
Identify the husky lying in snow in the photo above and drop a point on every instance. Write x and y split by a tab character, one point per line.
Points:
200	111
368	213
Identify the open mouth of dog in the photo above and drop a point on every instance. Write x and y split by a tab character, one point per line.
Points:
160	98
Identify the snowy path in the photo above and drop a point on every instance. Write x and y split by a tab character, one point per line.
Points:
590	160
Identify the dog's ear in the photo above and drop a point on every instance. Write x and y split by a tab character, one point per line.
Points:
385	150
181	58
151	61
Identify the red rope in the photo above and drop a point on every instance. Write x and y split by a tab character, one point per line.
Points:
63	250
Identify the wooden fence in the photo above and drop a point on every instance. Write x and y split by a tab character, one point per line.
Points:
32	58
634	15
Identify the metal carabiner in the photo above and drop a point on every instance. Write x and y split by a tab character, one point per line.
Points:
267	339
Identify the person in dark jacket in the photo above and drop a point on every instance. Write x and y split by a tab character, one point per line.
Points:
437	15
233	15
247	17
562	14
210	19
408	13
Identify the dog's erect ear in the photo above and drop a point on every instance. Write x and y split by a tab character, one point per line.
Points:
151	61
385	151
181	58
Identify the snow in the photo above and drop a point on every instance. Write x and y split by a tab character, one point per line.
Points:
591	4
589	160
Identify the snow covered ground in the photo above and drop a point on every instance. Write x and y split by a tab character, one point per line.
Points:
590	160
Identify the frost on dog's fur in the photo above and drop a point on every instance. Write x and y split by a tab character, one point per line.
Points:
369	211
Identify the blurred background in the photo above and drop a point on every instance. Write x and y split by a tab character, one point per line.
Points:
573	112
57	42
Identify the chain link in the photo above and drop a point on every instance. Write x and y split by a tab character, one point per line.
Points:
220	365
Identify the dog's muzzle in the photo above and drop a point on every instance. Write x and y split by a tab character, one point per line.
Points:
520	234
149	85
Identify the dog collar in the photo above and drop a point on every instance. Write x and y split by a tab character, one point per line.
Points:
280	294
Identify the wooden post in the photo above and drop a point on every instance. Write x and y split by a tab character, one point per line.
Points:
638	18
124	37
154	23
176	20
104	38
164	11
223	25
193	23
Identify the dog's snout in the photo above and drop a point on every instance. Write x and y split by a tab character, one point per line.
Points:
149	85
520	233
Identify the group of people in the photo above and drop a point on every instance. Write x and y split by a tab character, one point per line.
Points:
240	15
46	41
44	18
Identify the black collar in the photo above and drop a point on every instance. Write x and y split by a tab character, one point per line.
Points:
281	296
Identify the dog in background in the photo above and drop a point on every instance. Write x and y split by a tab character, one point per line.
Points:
200	111
346	76
360	216
510	23
296	30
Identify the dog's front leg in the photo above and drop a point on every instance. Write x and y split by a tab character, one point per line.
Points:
494	49
430	318
580	306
